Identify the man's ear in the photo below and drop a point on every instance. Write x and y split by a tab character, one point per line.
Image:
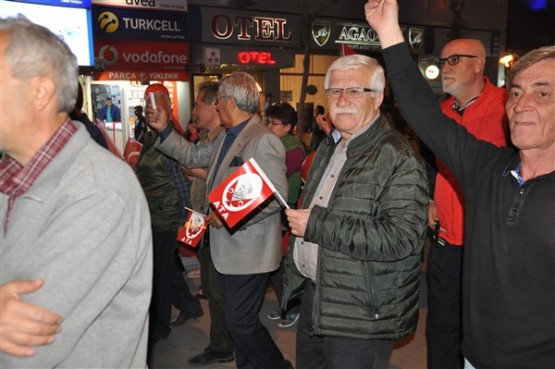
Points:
43	90
289	128
479	65
378	100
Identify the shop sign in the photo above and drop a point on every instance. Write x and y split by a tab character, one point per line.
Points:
173	5
212	56
255	57
244	27
122	24
357	36
321	32
218	55
141	55
416	38
141	76
329	34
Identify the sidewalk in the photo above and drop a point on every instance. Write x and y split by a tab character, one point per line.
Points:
192	337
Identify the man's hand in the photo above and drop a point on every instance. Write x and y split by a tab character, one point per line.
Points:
214	220
24	325
201	173
383	17
298	219
433	216
157	118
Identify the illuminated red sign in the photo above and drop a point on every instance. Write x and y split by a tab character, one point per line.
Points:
255	57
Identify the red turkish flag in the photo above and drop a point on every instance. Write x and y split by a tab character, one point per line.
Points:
240	193
347	50
193	229
132	151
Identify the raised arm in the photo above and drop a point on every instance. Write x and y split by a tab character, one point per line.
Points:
383	17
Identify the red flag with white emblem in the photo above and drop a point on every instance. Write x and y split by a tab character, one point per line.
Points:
193	229
242	192
132	151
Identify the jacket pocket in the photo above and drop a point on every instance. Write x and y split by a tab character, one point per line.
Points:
369	279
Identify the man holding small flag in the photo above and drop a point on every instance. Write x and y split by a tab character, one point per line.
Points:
242	192
193	230
358	236
245	254
195	158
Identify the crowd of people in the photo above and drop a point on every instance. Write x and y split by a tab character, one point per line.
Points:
89	255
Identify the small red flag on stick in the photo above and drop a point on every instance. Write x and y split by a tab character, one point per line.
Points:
240	193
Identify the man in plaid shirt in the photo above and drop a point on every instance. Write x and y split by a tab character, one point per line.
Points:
74	223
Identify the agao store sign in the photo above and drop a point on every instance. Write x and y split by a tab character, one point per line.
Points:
330	35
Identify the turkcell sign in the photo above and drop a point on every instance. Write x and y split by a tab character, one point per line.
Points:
123	24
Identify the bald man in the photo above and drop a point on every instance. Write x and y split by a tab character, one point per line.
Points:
479	106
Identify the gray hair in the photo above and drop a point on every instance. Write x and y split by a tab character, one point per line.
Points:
357	61
531	58
34	51
243	88
166	98
210	89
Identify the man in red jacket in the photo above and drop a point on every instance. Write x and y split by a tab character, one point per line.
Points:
479	106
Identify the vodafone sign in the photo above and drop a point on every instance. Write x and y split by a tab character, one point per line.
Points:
142	55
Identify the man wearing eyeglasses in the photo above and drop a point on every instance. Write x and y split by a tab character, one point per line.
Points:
509	261
359	234
476	104
245	256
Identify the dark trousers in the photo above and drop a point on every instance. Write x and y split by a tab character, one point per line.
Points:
181	296
323	352
254	347
168	285
220	340
443	325
164	244
276	279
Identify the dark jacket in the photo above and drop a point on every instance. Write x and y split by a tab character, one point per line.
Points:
155	173
509	256
93	130
370	237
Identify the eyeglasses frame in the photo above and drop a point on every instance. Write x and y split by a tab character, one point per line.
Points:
440	62
361	90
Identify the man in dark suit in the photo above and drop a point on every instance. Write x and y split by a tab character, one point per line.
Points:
245	256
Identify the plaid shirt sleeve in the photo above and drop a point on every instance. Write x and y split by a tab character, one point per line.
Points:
182	185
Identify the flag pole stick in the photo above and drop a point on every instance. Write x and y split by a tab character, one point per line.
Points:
270	184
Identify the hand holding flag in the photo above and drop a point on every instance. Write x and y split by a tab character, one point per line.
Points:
242	192
132	151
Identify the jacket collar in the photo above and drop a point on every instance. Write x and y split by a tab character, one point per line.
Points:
360	143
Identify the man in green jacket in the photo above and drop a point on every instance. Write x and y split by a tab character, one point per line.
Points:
359	235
